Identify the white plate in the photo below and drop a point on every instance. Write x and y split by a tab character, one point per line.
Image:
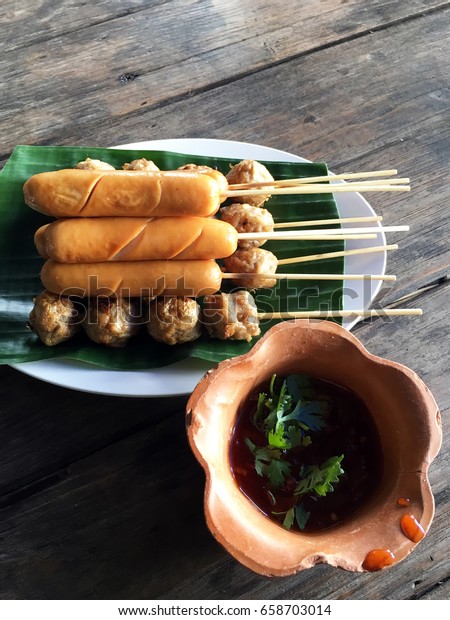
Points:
181	378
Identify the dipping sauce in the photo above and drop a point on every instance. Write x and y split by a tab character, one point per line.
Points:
404	502
347	437
378	559
411	528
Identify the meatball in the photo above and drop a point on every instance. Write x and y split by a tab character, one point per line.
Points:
255	261
250	171
93	164
246	218
54	318
141	164
112	321
215	174
196	168
174	320
232	316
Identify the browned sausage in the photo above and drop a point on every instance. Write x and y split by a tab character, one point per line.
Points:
88	240
194	278
109	193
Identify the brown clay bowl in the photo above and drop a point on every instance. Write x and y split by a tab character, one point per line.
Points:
408	423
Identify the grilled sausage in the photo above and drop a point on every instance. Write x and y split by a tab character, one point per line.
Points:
133	279
89	240
110	193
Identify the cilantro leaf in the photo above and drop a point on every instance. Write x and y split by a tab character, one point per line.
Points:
276	438
262	398
268	462
272	385
271	406
319	478
287	438
283	404
296	513
311	414
287	415
301	516
277	472
300	387
294	436
289	519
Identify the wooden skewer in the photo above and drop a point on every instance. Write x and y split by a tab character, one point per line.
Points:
327	232
399	181
334	177
314	257
307	181
339	220
318	188
327	314
313	236
308	276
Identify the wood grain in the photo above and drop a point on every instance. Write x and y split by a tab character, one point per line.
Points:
117	67
42	20
100	497
54	431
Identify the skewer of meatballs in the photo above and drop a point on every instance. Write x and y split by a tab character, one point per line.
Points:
169	320
175	319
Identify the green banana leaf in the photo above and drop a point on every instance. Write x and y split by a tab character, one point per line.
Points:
20	264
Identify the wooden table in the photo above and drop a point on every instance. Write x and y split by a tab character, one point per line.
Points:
101	496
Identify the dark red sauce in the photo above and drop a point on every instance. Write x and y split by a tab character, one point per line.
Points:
350	431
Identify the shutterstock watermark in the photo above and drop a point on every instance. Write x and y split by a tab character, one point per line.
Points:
88	304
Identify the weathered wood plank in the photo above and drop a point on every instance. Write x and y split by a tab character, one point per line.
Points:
136	62
44	19
127	520
153	518
46	428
